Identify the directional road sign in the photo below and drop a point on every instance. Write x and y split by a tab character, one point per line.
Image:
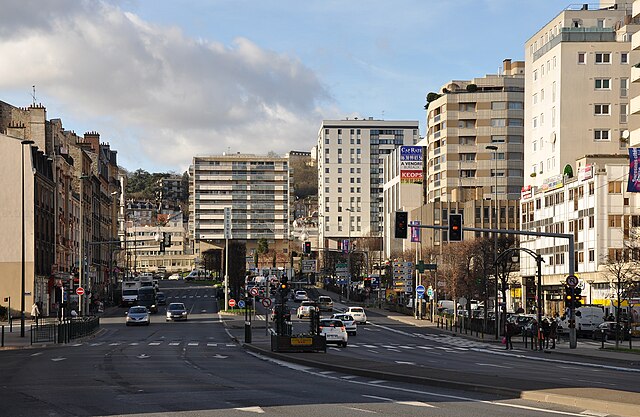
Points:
420	290
240	303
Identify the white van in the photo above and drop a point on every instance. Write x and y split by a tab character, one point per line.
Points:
449	305
588	318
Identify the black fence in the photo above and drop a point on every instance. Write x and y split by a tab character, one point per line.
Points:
54	331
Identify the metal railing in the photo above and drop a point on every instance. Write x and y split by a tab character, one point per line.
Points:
63	331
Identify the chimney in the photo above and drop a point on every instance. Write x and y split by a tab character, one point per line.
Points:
506	66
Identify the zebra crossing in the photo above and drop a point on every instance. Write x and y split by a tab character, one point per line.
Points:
160	343
398	348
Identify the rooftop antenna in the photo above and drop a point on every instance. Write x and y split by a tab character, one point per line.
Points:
33	95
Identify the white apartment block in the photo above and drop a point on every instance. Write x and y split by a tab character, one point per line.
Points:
578	120
595	207
350	156
256	188
577	84
635	79
466	118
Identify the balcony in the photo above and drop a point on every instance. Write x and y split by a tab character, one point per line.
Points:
635	72
634	107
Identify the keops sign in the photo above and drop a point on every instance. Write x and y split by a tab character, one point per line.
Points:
411	164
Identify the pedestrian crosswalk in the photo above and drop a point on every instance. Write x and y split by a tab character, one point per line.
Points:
462	347
159	343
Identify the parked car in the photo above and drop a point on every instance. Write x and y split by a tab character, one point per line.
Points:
300	296
176	311
325	303
358	314
522	322
161	298
334	331
349	323
175	277
305	309
138	316
609	328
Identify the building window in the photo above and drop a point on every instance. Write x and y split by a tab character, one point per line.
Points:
615	220
615	187
535	75
603	58
592	188
624	58
582	58
592	255
602	109
603	83
498	122
591	222
498	105
516	105
624	87
624	112
601	135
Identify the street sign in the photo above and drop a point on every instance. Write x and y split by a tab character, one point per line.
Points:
227	223
266	302
240	303
420	290
430	292
572	280
232	303
462	301
254	291
308	265
80	291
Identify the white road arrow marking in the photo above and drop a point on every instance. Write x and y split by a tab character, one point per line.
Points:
251	409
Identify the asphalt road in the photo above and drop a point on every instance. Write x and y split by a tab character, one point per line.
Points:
193	368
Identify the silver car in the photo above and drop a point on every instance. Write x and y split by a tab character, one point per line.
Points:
176	311
138	316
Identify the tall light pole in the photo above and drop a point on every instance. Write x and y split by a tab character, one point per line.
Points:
81	268
22	286
494	148
349	255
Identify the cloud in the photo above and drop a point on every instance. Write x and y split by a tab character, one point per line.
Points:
152	89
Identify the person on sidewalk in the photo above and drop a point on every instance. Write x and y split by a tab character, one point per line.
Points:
553	331
545	331
534	334
509	331
35	313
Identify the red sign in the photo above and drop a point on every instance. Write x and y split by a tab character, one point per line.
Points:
232	303
266	302
254	291
80	291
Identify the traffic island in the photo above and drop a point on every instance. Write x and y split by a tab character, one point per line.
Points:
299	343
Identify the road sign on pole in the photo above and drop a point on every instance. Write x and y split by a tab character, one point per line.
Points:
80	291
232	303
420	289
241	303
266	302
572	280
254	291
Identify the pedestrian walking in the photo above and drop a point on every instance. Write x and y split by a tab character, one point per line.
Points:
545	332
35	313
534	335
509	332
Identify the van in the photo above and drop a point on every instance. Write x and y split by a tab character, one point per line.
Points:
588	318
446	304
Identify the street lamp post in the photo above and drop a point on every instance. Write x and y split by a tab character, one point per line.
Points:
539	261
22	286
494	148
349	255
81	267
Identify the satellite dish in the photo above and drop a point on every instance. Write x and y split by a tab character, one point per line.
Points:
625	134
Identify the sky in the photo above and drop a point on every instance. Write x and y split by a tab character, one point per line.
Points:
163	81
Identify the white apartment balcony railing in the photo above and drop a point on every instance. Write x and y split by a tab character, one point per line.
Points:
634	107
635	72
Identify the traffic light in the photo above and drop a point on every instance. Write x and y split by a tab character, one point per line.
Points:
307	248
577	297
455	227
166	238
568	296
401	224
284	279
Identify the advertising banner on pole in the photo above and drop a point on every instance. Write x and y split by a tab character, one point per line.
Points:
415	231
411	164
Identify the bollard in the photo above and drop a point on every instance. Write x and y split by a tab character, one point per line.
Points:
3	336
602	337
630	347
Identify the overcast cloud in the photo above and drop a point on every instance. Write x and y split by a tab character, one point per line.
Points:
154	93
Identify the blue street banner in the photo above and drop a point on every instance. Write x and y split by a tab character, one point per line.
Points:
633	186
415	231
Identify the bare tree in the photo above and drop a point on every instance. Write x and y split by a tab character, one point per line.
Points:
622	270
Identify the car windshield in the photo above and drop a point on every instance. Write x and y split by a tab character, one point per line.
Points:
176	307
137	310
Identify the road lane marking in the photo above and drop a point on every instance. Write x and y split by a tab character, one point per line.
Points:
416	404
154	343
370	346
359	409
212	344
349	377
231	345
143	356
115	344
192	344
37	354
256	409
134	344
377	381
174	344
494	365
97	344
219	356
58	359
405	363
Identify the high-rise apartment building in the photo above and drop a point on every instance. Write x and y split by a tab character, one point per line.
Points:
577	89
350	175
256	188
465	123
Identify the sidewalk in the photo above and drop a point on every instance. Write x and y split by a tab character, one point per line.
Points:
12	340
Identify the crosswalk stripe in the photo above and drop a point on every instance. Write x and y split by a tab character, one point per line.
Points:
154	343
174	344
192	344
212	344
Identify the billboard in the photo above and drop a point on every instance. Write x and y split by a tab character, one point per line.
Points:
411	164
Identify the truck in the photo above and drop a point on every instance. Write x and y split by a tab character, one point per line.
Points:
130	292
147	298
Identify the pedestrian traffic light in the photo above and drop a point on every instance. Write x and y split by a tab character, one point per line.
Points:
455	227
577	297
307	248
401	224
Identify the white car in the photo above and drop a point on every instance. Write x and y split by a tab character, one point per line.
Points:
300	295
174	277
334	331
306	308
358	314
349	323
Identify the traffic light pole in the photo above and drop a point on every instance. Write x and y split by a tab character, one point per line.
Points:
573	341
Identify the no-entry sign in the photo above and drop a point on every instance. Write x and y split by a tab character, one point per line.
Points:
80	291
232	303
254	291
